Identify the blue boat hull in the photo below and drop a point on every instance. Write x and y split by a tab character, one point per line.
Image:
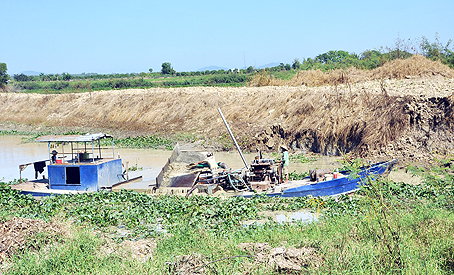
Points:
336	186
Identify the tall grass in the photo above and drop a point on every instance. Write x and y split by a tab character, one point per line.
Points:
395	69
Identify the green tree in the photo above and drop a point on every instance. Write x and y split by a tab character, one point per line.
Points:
66	76
332	57
4	77
150	70
437	51
167	68
371	59
396	54
21	77
296	65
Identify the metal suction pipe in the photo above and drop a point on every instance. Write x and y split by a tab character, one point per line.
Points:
233	138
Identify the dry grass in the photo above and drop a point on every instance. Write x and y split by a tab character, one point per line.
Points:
17	234
417	66
350	113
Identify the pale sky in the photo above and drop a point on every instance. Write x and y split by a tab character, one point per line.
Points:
132	36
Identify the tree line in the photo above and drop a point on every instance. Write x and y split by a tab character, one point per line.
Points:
336	59
110	84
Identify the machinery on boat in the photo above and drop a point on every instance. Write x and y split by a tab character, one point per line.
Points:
262	177
86	167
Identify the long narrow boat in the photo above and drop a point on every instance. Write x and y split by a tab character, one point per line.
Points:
238	183
345	183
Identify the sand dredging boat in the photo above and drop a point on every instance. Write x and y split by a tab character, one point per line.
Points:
201	174
88	166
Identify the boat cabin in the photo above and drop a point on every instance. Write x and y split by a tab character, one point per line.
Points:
84	165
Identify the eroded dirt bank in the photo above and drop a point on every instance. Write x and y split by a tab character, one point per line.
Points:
409	119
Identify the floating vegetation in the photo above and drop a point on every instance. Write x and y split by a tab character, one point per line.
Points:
301	158
386	227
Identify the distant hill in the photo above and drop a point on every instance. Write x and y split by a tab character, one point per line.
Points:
268	65
30	73
216	68
85	74
211	68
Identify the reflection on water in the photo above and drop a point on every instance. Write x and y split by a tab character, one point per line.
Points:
304	217
283	217
149	162
13	153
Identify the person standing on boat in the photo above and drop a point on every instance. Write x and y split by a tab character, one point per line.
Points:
211	161
284	162
54	156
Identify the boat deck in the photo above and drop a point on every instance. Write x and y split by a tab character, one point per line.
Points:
291	184
41	187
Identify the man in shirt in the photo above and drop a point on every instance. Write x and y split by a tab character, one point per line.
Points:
284	162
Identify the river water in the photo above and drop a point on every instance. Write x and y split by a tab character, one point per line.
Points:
14	150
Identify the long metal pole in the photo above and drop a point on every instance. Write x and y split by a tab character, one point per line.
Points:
233	138
93	150
99	146
113	149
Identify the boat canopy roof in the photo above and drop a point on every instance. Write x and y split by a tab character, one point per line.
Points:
73	138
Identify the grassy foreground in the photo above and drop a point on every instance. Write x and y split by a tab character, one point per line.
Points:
385	228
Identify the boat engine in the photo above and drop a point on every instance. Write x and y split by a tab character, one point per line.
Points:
261	174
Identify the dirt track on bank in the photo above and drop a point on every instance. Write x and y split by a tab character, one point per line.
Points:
410	118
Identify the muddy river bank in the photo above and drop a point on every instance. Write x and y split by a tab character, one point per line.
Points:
17	150
410	119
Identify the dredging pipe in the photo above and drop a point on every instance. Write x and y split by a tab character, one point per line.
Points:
233	138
